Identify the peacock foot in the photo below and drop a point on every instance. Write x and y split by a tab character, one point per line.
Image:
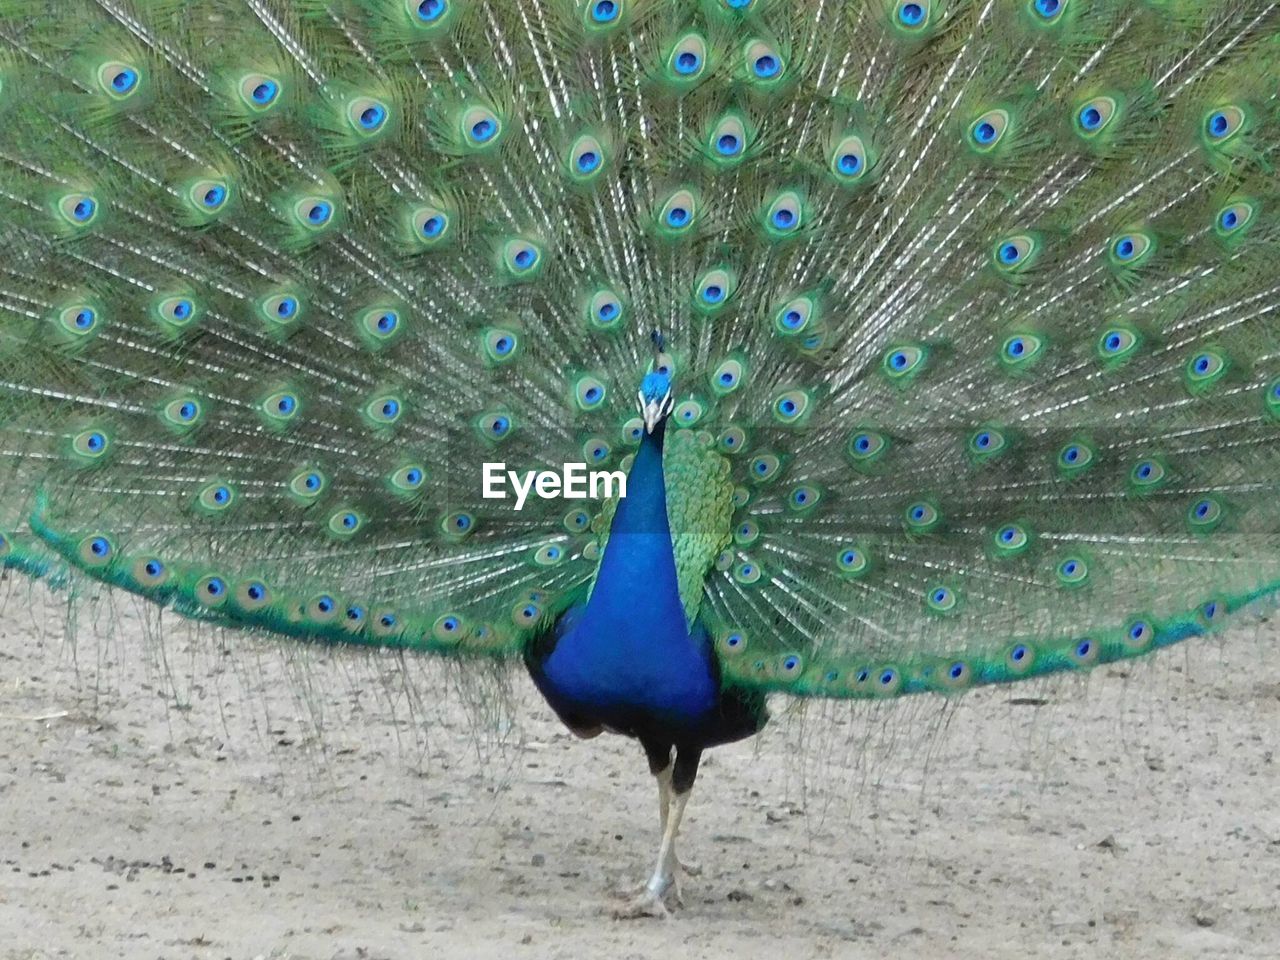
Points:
654	899
670	885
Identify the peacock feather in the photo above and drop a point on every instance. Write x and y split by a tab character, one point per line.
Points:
937	340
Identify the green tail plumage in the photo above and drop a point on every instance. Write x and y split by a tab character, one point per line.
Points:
971	312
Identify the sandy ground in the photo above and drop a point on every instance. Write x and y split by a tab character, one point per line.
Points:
206	796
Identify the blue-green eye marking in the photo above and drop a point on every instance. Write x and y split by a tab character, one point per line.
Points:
430	11
913	14
1223	123
1048	11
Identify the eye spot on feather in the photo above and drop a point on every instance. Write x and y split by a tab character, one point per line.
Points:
384	410
853	562
210	195
430	11
322	608
1014	254
367	116
791	406
1011	539
804	498
306	485
78	209
280	309
252	595
888	681
589	394
1075	459
216	497
1212	612
211	591
1094	116
1234	218
354	618
1084	652
922	517
902	364
1131	248
765	64
783	216
1048	11
913	15
747	573
952	676
548	555
90	446
495	426
1147	474
986	132
867	446
1204	370
1072	572
987	444
345	523
259	92
182	414
688	58
1205	514
765	467
576	521
734	642
521	258
458	526
500	345
526	614
1223	123
119	80
1271	399
280	408
96	550
313	212
941	599
150	572
1117	345
1139	635
1020	658
727	377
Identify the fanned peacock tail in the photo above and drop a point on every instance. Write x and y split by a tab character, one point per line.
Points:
971	312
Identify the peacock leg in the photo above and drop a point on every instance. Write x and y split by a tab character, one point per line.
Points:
664	805
651	900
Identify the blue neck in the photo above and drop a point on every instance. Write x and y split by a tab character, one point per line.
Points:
637	577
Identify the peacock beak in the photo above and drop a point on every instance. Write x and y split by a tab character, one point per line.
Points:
655	411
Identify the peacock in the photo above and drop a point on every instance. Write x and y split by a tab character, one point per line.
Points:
916	344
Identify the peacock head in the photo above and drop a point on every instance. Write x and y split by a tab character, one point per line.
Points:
654	398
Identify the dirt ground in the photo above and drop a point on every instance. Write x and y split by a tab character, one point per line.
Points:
175	793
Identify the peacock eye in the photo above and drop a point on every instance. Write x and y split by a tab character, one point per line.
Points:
259	92
986	132
1223	123
366	115
912	15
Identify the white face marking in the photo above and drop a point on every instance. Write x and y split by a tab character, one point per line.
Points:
654	411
